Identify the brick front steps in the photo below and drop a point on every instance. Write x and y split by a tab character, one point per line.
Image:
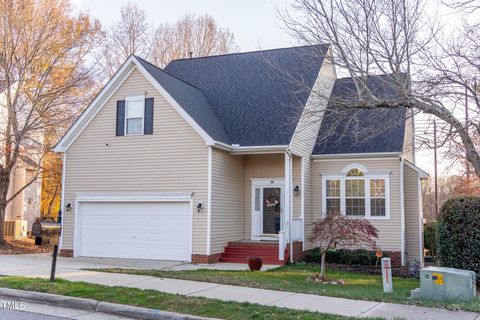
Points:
239	251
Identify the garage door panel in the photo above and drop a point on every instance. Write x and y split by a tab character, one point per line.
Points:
135	230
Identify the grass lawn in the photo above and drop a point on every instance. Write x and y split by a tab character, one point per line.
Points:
294	278
163	301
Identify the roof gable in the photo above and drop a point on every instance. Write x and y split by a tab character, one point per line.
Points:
111	87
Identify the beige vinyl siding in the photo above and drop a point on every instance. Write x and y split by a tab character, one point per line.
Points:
412	219
256	167
408	143
305	136
389	230
228	199
173	159
308	196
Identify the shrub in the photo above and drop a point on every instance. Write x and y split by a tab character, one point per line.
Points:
458	236
429	234
344	256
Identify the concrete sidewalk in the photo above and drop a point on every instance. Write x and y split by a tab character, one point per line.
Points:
340	306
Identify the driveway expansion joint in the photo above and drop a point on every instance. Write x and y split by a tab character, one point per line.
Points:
213	285
371	310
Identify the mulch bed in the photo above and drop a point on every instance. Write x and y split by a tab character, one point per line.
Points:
398	271
23	246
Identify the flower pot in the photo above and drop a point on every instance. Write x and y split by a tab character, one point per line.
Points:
255	263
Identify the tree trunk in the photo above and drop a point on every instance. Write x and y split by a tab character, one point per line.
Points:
2	224
322	266
4	185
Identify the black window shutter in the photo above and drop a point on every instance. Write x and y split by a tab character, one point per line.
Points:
148	125
120	118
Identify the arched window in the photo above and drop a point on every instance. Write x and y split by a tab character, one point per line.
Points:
355	173
356	193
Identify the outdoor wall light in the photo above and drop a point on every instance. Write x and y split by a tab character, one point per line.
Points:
199	206
68	207
296	191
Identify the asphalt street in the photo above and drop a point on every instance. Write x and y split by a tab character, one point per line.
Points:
6	314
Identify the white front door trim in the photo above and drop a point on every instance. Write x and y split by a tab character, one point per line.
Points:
257	216
129	197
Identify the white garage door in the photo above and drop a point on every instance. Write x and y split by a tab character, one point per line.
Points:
139	230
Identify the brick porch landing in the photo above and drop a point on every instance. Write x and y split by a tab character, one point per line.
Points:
239	251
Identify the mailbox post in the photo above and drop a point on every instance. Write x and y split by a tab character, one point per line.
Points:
387	275
48	233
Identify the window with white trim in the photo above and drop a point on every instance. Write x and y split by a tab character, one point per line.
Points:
134	115
357	193
333	196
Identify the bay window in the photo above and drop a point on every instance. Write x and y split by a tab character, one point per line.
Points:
357	193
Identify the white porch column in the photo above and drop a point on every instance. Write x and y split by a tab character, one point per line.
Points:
288	187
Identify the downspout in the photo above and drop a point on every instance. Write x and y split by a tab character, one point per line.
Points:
402	210
290	204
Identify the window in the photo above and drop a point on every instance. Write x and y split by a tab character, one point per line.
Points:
355	197
333	196
357	193
134	110
377	197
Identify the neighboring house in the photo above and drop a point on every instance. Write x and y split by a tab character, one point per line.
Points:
25	207
216	159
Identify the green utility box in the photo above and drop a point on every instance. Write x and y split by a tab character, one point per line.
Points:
438	283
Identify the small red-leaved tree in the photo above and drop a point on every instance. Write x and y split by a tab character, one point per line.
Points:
342	231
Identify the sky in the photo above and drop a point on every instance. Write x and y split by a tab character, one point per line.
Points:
254	23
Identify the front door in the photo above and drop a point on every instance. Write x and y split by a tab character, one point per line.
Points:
271	210
267	209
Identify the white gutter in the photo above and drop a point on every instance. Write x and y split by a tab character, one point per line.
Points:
236	149
355	155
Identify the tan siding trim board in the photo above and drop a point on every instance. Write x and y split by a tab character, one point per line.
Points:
402	210
420	221
62	197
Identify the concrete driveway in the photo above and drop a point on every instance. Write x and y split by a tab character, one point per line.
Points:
38	265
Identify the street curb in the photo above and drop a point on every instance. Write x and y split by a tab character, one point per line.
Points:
94	305
51	299
141	313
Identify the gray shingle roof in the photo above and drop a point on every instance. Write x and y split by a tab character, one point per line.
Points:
352	130
191	99
257	96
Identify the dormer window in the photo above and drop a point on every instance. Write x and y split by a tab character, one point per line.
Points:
134	115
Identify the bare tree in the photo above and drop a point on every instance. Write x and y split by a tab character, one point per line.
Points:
191	35
429	71
42	64
130	35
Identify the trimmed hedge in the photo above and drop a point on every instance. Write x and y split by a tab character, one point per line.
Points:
343	256
458	234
